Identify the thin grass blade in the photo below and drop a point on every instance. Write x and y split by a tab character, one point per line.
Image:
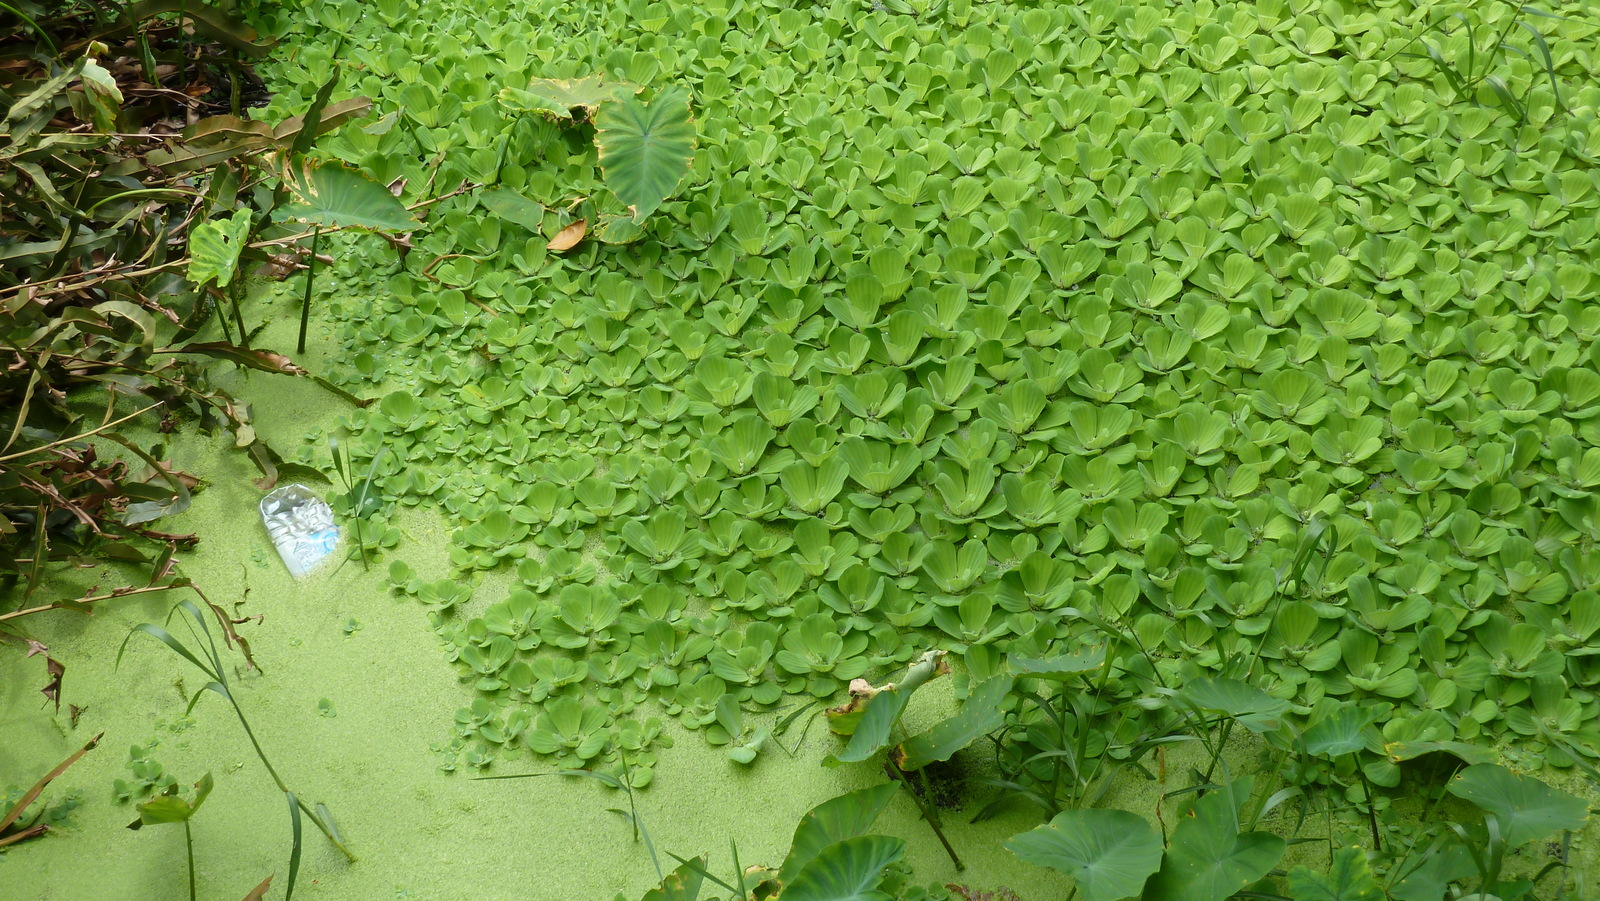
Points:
294	850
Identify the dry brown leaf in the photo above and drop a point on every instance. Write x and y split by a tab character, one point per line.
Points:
568	237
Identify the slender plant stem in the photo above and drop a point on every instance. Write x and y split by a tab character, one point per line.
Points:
927	816
188	842
1372	811
1221	746
311	278
278	780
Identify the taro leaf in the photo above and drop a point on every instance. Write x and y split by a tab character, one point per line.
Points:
1253	708
568	237
682	884
214	248
833	821
870	733
1344	731
846	871
558	97
1209	859
333	195
981	714
1349	878
645	149
1528	810
1109	854
174	808
513	207
1058	668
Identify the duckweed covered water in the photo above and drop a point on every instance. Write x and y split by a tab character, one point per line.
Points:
968	316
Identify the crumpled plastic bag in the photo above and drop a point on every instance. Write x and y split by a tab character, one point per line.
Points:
301	527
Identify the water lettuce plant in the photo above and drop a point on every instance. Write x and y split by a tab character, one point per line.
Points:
1008	332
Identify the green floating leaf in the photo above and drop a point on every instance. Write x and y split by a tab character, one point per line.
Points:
214	248
846	871
645	149
1060	668
1349	878
1109	854
515	208
175	808
333	195
1528	810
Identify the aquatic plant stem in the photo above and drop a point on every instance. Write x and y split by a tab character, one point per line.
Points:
311	279
927	816
1372	811
188	843
278	780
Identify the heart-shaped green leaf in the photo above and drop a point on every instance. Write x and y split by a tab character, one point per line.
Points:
1109	854
646	149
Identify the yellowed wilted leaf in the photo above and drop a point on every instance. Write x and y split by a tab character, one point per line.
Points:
568	237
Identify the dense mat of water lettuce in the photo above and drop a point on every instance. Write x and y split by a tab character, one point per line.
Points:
971	316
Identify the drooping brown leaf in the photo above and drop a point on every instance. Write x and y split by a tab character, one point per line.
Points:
53	668
264	360
38	788
568	237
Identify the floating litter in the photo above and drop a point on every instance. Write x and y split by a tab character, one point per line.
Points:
301	526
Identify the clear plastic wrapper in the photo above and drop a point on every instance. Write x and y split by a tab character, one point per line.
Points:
301	527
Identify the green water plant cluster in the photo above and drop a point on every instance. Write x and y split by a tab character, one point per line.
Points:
976	325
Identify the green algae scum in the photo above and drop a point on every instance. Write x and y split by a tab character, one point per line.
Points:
884	449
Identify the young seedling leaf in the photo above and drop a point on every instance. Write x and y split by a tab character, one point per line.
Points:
214	248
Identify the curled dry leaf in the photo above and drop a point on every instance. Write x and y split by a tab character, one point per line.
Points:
568	237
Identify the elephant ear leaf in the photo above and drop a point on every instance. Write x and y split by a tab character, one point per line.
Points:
1209	858
1349	878
333	195
214	248
1107	853
1528	810
846	871
646	149
833	821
